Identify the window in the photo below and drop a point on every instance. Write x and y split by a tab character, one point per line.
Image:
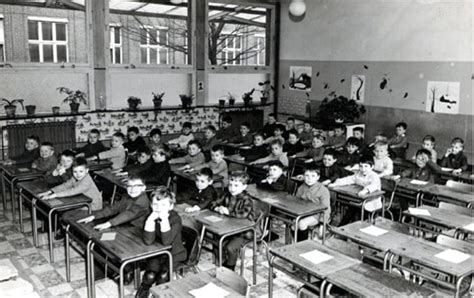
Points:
115	45
47	40
2	41
153	45
231	50
260	50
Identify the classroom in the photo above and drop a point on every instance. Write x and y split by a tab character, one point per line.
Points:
236	148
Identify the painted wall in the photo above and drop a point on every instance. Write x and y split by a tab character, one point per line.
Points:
408	42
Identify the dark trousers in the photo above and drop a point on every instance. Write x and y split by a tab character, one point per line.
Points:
232	250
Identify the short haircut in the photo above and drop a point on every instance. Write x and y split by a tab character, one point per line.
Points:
239	176
319	137
402	124
423	151
294	132
276	163
308	122
380	144
272	115
280	127
155	131
68	153
80	161
211	128
119	135
352	141
195	142
290	119
312	167
246	124
218	147
145	150
162	150
429	138
258	134
34	138
187	124
48	144
359	128
331	152
227	119
206	172
94	131
457	141
340	126
276	142
134	177
367	159
163	193
133	129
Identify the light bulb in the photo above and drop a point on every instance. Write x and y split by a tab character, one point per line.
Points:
297	8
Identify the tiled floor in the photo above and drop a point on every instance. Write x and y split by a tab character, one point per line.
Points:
49	280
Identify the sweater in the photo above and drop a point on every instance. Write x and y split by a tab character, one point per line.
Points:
128	209
332	173
157	174
85	186
182	141
278	185
240	206
383	166
138	168
91	149
318	194
283	158
46	165
306	137
315	153
192	161
346	159
207	144
337	142
202	198
268	130
27	157
240	139
225	134
52	180
116	156
292	149
423	174
455	161
133	146
219	169
254	153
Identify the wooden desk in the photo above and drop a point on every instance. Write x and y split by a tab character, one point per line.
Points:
29	191
239	160
287	208
98	165
291	254
452	195
406	188
13	174
465	176
224	228
181	287
235	148
363	280
348	195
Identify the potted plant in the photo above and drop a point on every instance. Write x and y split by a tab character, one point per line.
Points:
133	102
157	99
74	98
340	108
10	107
186	100
265	91
30	110
247	97
230	98
55	110
222	102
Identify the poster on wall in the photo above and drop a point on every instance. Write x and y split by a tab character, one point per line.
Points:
358	88
300	78
443	97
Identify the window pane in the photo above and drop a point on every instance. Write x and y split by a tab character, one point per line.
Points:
237	42
61	32
61	53
118	55
48	53
153	53
47	31
33	30
163	37
117	35
230	42
2	59
163	56
111	55
143	35
154	37
237	57
143	55
230	58
34	53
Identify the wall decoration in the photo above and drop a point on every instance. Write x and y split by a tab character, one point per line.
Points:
358	88
443	97
300	78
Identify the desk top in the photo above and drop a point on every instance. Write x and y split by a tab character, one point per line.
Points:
292	253
465	176
119	180
237	159
352	190
366	281
181	287
406	183
443	217
20	170
222	224
97	165
191	175
444	191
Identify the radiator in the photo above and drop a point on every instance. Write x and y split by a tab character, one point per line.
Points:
61	134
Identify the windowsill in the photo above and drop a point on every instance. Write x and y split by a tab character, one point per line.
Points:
42	115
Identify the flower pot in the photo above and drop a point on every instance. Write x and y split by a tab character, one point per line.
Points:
10	111
30	110
221	102
263	100
247	101
74	107
186	102
55	110
157	103
231	101
133	106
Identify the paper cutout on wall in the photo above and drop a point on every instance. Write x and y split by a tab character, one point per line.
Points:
443	97
358	88
300	78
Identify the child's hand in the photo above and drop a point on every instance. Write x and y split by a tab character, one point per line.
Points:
308	160
192	209
265	167
363	193
449	151
164	215
34	166
293	156
80	155
326	182
153	216
86	219
49	197
103	226
457	172
189	170
43	194
224	210
218	209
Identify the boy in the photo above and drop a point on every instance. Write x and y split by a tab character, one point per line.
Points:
131	208
204	193
244	138
277	153
277	134
350	156
209	139
368	180
312	190
144	162
163	225
226	131
454	157
159	172
399	142
330	170
135	141
235	203
429	144
31	153
306	136
269	127
290	125
276	179
63	171
116	154
93	147
194	157
315	153
293	145
339	139
155	138
185	137
47	161
358	133
257	151
217	164
383	165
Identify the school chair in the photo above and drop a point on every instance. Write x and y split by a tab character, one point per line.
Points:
233	280
191	244
297	167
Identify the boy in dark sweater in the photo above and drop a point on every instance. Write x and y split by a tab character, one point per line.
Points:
143	163
135	141
244	137
209	139
276	179
293	145
47	161
93	147
159	172
31	153
349	157
330	170
226	130
163	225
257	151
63	171
454	157
204	194
269	127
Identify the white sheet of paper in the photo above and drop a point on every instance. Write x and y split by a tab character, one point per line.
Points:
469	227
453	256
109	236
213	218
419	211
373	230
316	256
270	200
7	270
446	169
22	170
209	290
418	182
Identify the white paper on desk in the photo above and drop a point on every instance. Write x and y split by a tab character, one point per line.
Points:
418	182
316	256
373	230
22	170
453	256
109	236
213	218
446	169
419	211
209	290
469	227
270	200
7	270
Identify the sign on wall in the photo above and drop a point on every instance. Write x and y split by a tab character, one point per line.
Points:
358	88
443	97
300	78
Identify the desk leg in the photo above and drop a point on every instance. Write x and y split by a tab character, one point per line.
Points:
201	240
50	235
270	276
324	228
12	191
34	225
321	288
254	256
67	255
458	286
91	272
4	193
20	208
296	225
219	259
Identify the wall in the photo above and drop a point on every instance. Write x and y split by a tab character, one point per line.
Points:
408	42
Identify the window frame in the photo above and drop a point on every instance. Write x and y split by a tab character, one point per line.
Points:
2	40
113	46
54	42
234	50
148	46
